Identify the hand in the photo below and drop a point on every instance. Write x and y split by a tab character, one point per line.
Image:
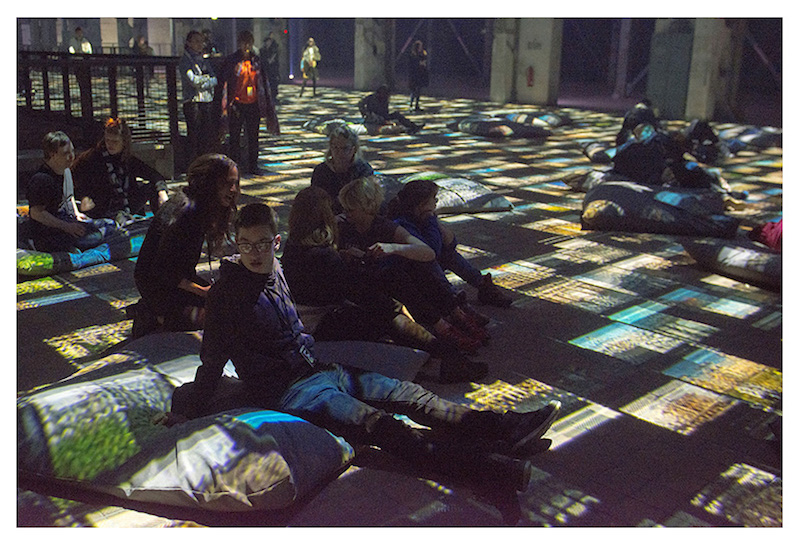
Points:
379	250
87	204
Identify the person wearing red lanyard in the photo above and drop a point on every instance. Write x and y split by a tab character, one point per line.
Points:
248	99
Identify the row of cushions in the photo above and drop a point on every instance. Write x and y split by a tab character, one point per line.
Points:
95	430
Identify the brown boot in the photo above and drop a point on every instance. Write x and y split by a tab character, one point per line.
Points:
490	294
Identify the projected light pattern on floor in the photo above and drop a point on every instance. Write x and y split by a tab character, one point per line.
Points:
729	375
691	297
651	316
661	309
628	343
679	407
745	495
90	341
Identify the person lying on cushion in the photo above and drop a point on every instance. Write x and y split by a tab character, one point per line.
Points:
107	177
252	321
56	223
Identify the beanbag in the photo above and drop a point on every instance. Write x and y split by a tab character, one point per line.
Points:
497	128
628	206
325	124
539	119
740	259
95	430
456	194
127	244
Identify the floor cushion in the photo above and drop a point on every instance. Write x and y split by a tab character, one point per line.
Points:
739	259
631	207
125	245
325	124
95	430
497	127
456	194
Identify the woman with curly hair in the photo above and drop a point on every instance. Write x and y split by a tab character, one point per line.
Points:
173	295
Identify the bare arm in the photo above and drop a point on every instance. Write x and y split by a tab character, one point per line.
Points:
40	214
193	287
405	245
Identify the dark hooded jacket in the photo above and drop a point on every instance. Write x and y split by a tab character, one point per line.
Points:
251	320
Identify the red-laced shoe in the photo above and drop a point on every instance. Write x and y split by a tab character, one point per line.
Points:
451	334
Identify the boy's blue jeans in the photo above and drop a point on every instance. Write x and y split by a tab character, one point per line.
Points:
349	401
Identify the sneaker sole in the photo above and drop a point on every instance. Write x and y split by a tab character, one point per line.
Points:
538	431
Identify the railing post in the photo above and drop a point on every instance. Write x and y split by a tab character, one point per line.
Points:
46	86
65	85
172	109
140	105
112	90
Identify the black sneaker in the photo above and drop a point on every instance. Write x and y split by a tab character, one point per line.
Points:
490	294
525	429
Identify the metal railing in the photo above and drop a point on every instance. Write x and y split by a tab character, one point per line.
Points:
91	88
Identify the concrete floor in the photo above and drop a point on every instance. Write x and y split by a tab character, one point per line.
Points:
642	440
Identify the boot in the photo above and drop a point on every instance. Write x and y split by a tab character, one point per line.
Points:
490	294
512	433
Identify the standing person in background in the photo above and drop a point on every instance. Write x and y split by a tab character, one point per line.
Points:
199	80
270	55
248	98
418	75
308	65
79	43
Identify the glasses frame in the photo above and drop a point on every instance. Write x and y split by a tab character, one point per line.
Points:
259	246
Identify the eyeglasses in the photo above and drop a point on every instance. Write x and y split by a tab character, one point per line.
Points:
260	246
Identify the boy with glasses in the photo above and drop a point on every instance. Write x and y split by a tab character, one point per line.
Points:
251	319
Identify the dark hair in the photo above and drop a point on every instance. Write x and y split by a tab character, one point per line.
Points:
311	219
410	196
256	214
53	142
192	34
205	175
245	36
383	89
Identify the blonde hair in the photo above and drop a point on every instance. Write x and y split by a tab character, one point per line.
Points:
362	193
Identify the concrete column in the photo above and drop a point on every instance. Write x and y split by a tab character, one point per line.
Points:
160	38
526	61
709	70
374	54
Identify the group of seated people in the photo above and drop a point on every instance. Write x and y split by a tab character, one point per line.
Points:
78	203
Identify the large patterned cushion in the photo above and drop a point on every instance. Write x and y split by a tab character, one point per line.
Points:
456	194
95	429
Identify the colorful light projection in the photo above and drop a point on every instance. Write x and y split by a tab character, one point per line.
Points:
744	495
695	297
627	343
651	316
580	295
679	407
514	275
730	375
57	291
89	341
550	503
